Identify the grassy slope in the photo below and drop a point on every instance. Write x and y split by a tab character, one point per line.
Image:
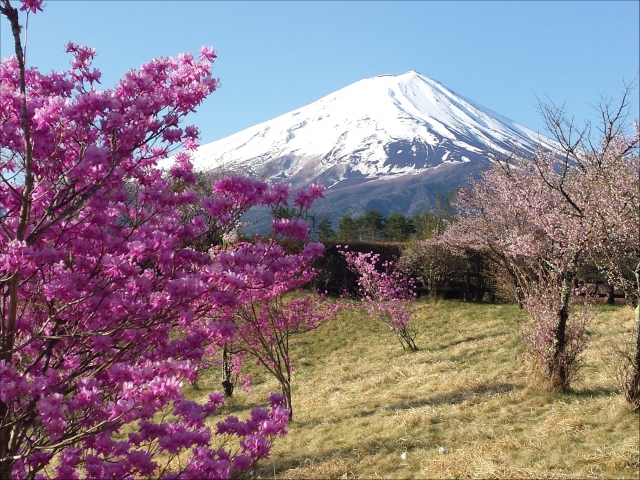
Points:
360	401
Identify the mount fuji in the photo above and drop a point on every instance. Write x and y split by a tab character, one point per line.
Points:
389	142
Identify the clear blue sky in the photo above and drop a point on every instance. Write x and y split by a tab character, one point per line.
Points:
278	56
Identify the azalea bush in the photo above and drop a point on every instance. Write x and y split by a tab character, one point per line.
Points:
387	294
265	327
105	308
266	317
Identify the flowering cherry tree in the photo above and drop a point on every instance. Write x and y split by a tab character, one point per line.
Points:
540	218
387	295
528	231
606	200
102	302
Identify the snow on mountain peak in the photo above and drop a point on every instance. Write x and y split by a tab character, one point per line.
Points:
377	128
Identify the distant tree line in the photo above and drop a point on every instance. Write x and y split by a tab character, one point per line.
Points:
373	226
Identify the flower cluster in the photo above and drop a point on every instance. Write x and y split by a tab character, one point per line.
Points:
33	6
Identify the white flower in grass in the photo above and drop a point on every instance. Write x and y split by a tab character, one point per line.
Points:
403	455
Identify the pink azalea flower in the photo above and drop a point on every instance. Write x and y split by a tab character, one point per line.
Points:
33	6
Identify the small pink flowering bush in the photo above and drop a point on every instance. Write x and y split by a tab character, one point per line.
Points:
266	318
387	295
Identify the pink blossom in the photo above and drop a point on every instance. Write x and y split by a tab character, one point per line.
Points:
255	445
297	229
305	197
207	53
242	462
33	6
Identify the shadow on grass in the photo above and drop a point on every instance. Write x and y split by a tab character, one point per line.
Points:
591	392
241	406
335	463
475	338
277	465
477	395
455	397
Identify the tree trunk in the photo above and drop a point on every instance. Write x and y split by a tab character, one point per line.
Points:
632	389
633	394
286	391
611	295
431	286
467	286
5	470
559	374
227	384
632	384
5	466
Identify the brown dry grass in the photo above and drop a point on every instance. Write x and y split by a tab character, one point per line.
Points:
360	401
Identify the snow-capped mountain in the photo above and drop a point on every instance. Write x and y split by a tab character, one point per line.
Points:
406	130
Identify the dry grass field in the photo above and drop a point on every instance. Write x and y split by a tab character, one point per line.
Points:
360	402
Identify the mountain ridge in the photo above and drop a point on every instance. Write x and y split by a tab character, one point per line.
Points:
388	127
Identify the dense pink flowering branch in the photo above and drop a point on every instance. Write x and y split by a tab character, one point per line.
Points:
104	309
387	295
264	317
